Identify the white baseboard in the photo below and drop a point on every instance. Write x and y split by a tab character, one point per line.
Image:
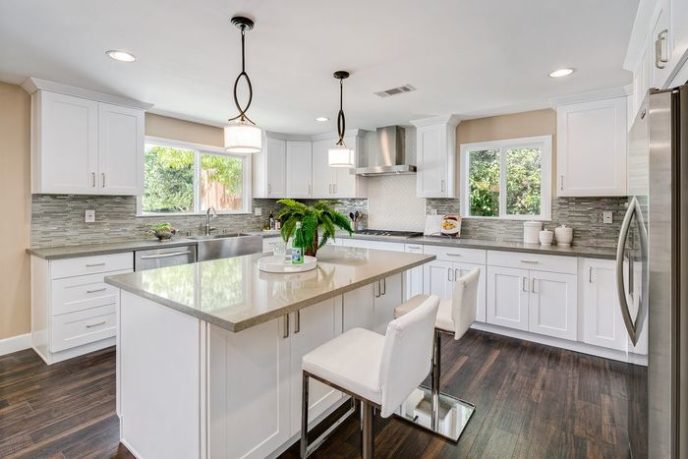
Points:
15	344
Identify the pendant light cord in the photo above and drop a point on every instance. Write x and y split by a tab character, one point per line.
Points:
242	110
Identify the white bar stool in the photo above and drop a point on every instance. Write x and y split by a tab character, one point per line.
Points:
380	371
442	413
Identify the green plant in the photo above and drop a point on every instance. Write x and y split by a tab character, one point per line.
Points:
320	218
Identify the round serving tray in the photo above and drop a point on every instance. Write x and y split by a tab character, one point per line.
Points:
277	264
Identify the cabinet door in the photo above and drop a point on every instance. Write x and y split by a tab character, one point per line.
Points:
388	294
120	150
507	297
465	268
439	276
299	169
345	183
431	153
66	149
358	309
249	390
553	304
312	326
323	174
592	133
275	168
602	321
414	277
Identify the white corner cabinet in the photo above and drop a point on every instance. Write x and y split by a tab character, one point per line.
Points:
591	148
84	142
657	49
436	156
73	311
298	168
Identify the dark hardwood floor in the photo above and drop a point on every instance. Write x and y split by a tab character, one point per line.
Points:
532	401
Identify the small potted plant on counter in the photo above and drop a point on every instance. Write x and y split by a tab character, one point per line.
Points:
319	222
163	231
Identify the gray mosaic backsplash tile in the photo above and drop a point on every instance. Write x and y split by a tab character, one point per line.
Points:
584	215
58	220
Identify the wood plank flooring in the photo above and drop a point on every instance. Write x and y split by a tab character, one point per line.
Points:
532	401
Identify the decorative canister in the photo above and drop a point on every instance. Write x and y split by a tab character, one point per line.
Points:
564	235
546	237
531	232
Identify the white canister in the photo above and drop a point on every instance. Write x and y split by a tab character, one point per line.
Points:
564	235
546	237
531	232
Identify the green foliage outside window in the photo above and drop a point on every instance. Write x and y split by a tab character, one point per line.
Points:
168	179
484	183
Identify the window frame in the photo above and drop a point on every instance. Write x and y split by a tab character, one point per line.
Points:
544	143
198	149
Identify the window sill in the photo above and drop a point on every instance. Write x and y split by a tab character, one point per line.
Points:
523	218
192	214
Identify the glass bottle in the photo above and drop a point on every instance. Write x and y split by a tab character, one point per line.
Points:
298	245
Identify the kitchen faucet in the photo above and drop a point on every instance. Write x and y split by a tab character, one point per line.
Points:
208	228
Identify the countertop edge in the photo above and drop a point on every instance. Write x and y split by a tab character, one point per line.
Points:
92	250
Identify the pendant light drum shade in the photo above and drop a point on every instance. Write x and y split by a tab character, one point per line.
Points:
340	155
241	134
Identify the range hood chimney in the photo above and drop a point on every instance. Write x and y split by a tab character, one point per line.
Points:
389	158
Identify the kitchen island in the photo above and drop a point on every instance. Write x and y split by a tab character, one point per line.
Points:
209	354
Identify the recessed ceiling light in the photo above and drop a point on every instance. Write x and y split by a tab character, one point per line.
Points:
119	55
559	73
322	119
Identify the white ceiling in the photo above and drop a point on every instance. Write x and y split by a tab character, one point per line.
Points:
463	56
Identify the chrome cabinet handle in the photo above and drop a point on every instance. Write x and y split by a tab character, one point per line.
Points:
334	187
376	292
449	273
457	274
102	176
453	254
384	287
442	186
661	40
590	275
93	265
97	290
96	324
269	188
524	284
561	183
532	289
93	179
297	322
164	255
530	262
285	322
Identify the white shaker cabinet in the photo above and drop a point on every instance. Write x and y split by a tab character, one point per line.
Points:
269	169
591	148
337	182
553	304
388	295
83	142
436	157
299	169
414	276
507	297
324	176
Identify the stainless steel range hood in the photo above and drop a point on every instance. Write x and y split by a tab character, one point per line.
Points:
389	158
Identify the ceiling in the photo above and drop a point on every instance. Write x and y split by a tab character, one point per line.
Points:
466	57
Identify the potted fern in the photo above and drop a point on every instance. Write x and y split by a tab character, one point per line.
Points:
319	222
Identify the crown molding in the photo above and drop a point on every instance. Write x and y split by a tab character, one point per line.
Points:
31	85
450	120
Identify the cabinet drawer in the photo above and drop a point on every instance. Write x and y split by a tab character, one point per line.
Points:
457	254
553	263
83	327
91	265
77	293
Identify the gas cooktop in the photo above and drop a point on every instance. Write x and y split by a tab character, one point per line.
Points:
389	233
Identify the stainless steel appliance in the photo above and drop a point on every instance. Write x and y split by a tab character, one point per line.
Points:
652	276
389	155
389	233
159	258
227	245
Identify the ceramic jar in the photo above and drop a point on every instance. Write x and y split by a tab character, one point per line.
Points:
564	235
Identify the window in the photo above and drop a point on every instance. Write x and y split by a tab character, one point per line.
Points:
183	178
508	179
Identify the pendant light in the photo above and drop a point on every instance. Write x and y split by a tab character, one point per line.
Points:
340	155
241	134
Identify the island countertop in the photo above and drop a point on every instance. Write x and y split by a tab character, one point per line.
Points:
234	294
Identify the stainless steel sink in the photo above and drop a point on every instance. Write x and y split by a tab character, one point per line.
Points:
217	246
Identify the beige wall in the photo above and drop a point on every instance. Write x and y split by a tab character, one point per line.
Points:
15	199
186	131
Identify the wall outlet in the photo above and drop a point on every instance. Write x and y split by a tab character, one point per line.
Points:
257	211
433	211
90	216
607	216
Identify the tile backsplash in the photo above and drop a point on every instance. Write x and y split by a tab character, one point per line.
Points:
584	215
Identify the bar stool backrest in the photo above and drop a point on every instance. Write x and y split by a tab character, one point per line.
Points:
407	354
465	302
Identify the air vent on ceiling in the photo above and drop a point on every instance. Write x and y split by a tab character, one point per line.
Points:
395	91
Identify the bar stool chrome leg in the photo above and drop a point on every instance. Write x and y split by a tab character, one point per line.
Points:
304	416
368	434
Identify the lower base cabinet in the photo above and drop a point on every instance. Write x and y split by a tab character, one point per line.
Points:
507	297
441	276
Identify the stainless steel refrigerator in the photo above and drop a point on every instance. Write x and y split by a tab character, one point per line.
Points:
652	276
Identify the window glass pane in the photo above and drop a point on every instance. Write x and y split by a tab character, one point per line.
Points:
523	181
483	182
221	182
168	179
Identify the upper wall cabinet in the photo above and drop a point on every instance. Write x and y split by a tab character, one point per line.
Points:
436	157
84	142
299	169
337	182
591	148
270	169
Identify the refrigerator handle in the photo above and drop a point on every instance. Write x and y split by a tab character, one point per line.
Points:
620	252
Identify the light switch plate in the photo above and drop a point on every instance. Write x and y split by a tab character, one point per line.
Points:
607	216
257	211
90	216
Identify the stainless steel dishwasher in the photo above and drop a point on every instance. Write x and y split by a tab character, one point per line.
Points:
159	258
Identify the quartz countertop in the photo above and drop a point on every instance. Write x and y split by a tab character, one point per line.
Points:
54	253
234	294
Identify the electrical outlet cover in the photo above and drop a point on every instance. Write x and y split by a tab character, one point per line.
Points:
607	216
90	216
257	211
